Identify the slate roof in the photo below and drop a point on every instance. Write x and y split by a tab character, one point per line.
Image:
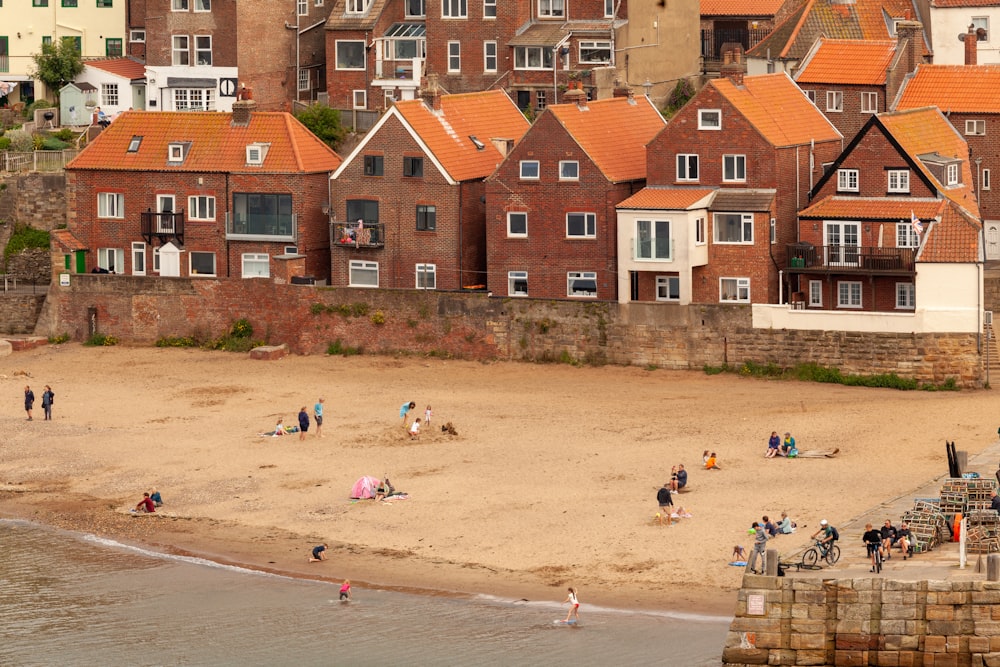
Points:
778	109
613	132
548	33
740	199
128	68
339	19
665	199
215	144
847	61
959	88
740	7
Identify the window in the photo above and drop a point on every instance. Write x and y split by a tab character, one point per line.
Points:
774	231
194	99
906	236
363	274
905	296
46	39
581	283
415	9
834	100
532	57
985	185
111	260
982	26
70	3
975	127
595	52
201	207
350	54
668	288
263	215
454	9
176	152
517	283
110	205
179	5
203	49
76	42
541	101
304	79
869	102
652	239
138	258
709	119
156	260
39	3
203	5
137	35
426	276
113	47
104	3
489	56
181	56
374	165
302	7
734	290
899	180
609	8
133	145
256	153
569	170
201	263
256	265
952	175
109	94
581	225
552	8
364	210
454	56
699	231
357	6
811	95
529	170
413	167
733	227
849	294
426	218
847	180
517	224
734	167
360	99
318	3
816	293
489	9
687	167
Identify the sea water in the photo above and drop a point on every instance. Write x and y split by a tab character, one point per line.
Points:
73	599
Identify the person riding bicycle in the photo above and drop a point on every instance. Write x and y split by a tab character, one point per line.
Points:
830	535
873	542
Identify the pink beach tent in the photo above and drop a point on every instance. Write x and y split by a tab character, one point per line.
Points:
365	487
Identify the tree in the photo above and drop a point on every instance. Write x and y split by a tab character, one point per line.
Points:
58	63
324	122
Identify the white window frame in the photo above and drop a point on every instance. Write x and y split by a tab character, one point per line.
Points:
137	36
985	180
422	9
572	276
138	258
773	231
684	163
522	58
357	6
653	253
700	237
360	99
984	23
906	235
569	170
592	48
201	207
364	268
951	174
454	9
260	262
511	215
426	276
835	101
710	119
906	296
609	8
111	205
489	59
552	9
589	222
975	127
175	153
336	55
156	259
202	46
524	166
302	7
179	6
667	287
869	102
513	277
202	253
180	50
202	5
811	96
815	293
489	9
740	288
454	56
898	180
194	99
111	259
746	228
847	180
734	168
304	79
850	294
109	94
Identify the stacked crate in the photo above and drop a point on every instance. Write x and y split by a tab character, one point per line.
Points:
928	526
983	536
971	497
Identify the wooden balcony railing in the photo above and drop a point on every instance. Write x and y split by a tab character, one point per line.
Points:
351	235
849	259
162	226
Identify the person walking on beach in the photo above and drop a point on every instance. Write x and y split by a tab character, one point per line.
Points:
29	400
48	397
759	547
404	412
427	416
303	423
345	590
666	503
318	414
574	606
318	553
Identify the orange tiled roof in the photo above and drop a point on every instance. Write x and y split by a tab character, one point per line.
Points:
956	238
847	61
961	88
484	115
215	145
890	209
665	199
740	7
778	109
125	67
67	240
945	4
613	132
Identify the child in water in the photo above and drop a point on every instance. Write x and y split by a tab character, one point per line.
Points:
345	590
574	606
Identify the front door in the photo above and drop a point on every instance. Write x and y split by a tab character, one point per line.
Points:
842	239
138	258
992	239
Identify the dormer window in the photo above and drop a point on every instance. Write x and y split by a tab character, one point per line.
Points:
133	146
357	6
176	151
709	119
951	177
256	153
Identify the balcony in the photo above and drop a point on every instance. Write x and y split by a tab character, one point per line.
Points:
162	227
350	235
280	227
806	258
409	69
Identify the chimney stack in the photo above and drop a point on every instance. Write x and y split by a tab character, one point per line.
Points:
971	46
431	93
909	37
242	110
732	66
575	95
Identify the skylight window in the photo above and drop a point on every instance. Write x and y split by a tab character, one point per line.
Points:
133	146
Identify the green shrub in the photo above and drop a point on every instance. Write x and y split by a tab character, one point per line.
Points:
25	238
101	340
4	143
20	141
338	348
59	339
64	134
29	111
241	328
317	309
378	318
53	144
176	341
360	309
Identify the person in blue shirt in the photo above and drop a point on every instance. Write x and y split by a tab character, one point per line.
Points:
404	412
318	414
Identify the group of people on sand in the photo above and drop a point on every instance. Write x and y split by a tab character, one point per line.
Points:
664	497
776	446
150	501
48	398
710	460
414	428
303	419
762	531
319	554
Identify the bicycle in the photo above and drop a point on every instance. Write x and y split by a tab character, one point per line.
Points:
875	552
819	550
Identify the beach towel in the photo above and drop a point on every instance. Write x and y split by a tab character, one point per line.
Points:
365	487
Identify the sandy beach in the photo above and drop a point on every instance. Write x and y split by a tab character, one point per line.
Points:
549	482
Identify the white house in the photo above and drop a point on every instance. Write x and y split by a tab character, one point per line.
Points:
950	23
120	84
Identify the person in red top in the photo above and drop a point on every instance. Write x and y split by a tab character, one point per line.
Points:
146	504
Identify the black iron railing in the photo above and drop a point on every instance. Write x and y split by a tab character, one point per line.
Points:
849	259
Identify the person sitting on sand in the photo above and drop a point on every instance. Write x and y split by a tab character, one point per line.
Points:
712	463
154	495
146	504
679	481
384	490
772	446
786	526
345	590
318	553
279	428
770	528
787	445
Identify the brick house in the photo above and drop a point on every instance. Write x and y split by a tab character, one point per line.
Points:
728	26
725	180
970	94
407	208
893	228
237	195
551	204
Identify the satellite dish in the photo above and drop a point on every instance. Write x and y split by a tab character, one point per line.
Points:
961	36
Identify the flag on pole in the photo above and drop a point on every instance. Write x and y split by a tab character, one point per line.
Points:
918	226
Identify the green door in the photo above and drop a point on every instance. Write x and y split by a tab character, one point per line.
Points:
81	261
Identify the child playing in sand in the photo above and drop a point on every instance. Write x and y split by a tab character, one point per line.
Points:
704	456
415	429
427	416
279	428
574	606
345	590
711	463
318	553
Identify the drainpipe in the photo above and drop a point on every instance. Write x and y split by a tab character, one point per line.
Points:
461	248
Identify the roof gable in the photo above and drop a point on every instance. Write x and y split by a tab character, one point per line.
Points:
847	61
958	88
740	7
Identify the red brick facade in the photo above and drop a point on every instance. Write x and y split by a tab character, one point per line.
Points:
847	107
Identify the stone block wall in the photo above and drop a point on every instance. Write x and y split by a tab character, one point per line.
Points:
852	622
19	312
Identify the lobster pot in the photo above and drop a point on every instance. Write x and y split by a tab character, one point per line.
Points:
983	532
928	525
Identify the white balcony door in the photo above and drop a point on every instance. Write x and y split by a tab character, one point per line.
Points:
164	204
842	240
992	239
